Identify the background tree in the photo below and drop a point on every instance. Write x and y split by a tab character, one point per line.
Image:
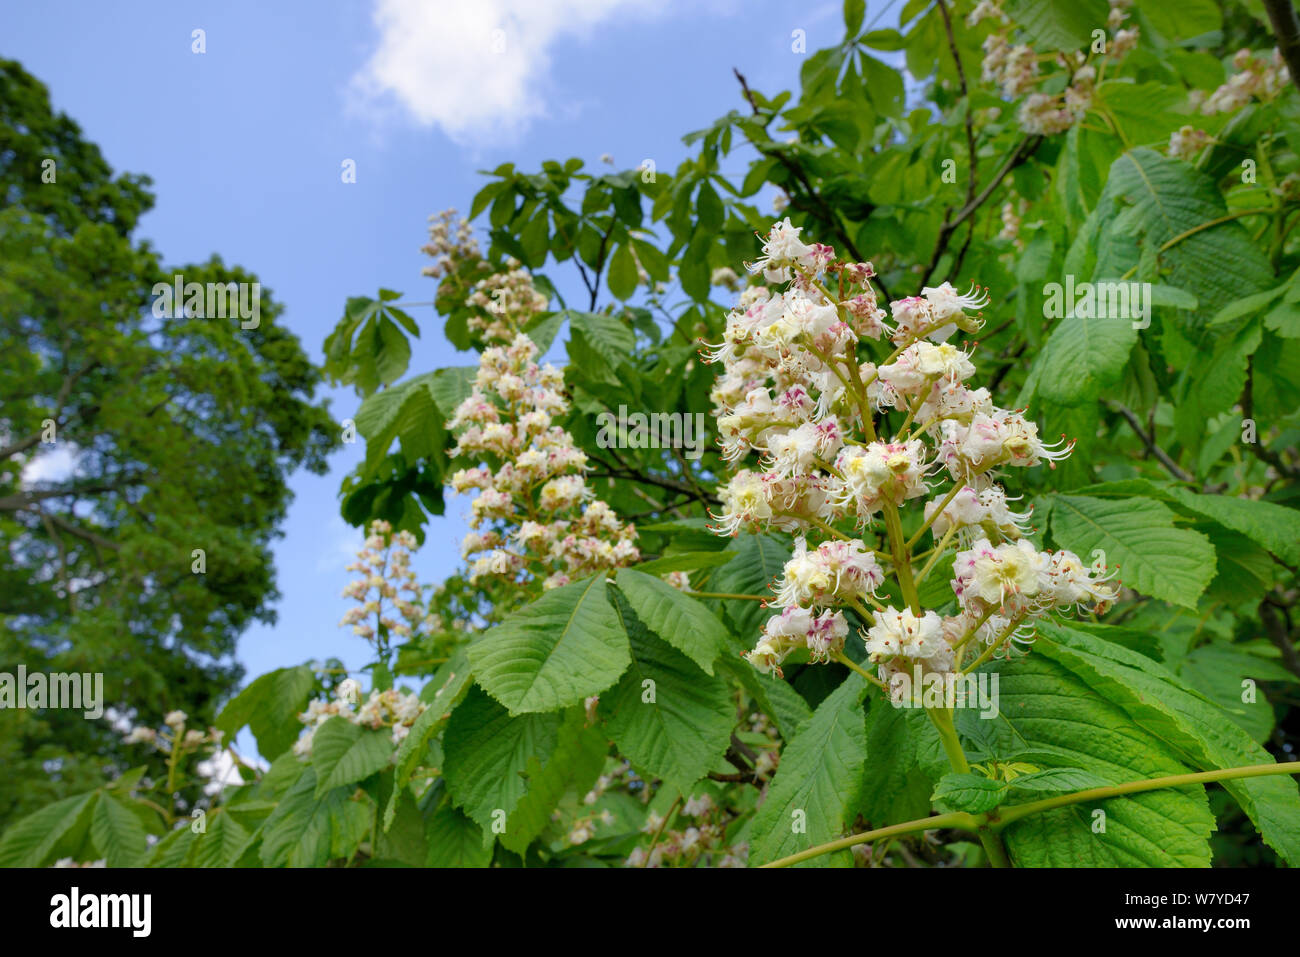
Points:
169	435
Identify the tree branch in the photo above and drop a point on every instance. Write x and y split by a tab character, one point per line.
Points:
1278	634
1174	469
820	207
1286	28
1022	152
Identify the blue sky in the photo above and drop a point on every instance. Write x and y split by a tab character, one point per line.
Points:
246	141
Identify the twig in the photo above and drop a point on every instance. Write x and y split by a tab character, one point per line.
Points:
1022	152
1174	469
1287	30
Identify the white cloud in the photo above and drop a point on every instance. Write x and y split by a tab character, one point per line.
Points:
55	464
478	70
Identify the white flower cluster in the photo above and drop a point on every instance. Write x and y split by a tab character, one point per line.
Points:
176	735
1259	76
383	709
507	300
385	590
451	242
1187	142
1015	70
703	843
534	515
794	389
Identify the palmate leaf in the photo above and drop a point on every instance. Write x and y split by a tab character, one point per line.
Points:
819	782
1188	723
667	717
1275	527
1056	719
564	647
1137	534
442	694
407	411
1088	349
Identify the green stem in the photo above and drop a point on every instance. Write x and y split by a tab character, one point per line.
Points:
1011	814
957	819
902	563
972	822
852	665
942	720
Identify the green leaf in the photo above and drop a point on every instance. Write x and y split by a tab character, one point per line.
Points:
1220	670
117	831
487	754
1188	723
1156	213
1057	781
564	647
455	841
534	238
759	560
710	210
447	689
571	768
345	753
854	11
969	792
609	338
1137	534
675	617
1275	527
306	831
818	784
896	786
667	717
1182	21
450	387
1058	24
221	844
1052	716
685	561
32	840
270	707
1083	357
622	276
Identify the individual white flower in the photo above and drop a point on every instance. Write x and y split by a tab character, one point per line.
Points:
349	690
901	633
1007	575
